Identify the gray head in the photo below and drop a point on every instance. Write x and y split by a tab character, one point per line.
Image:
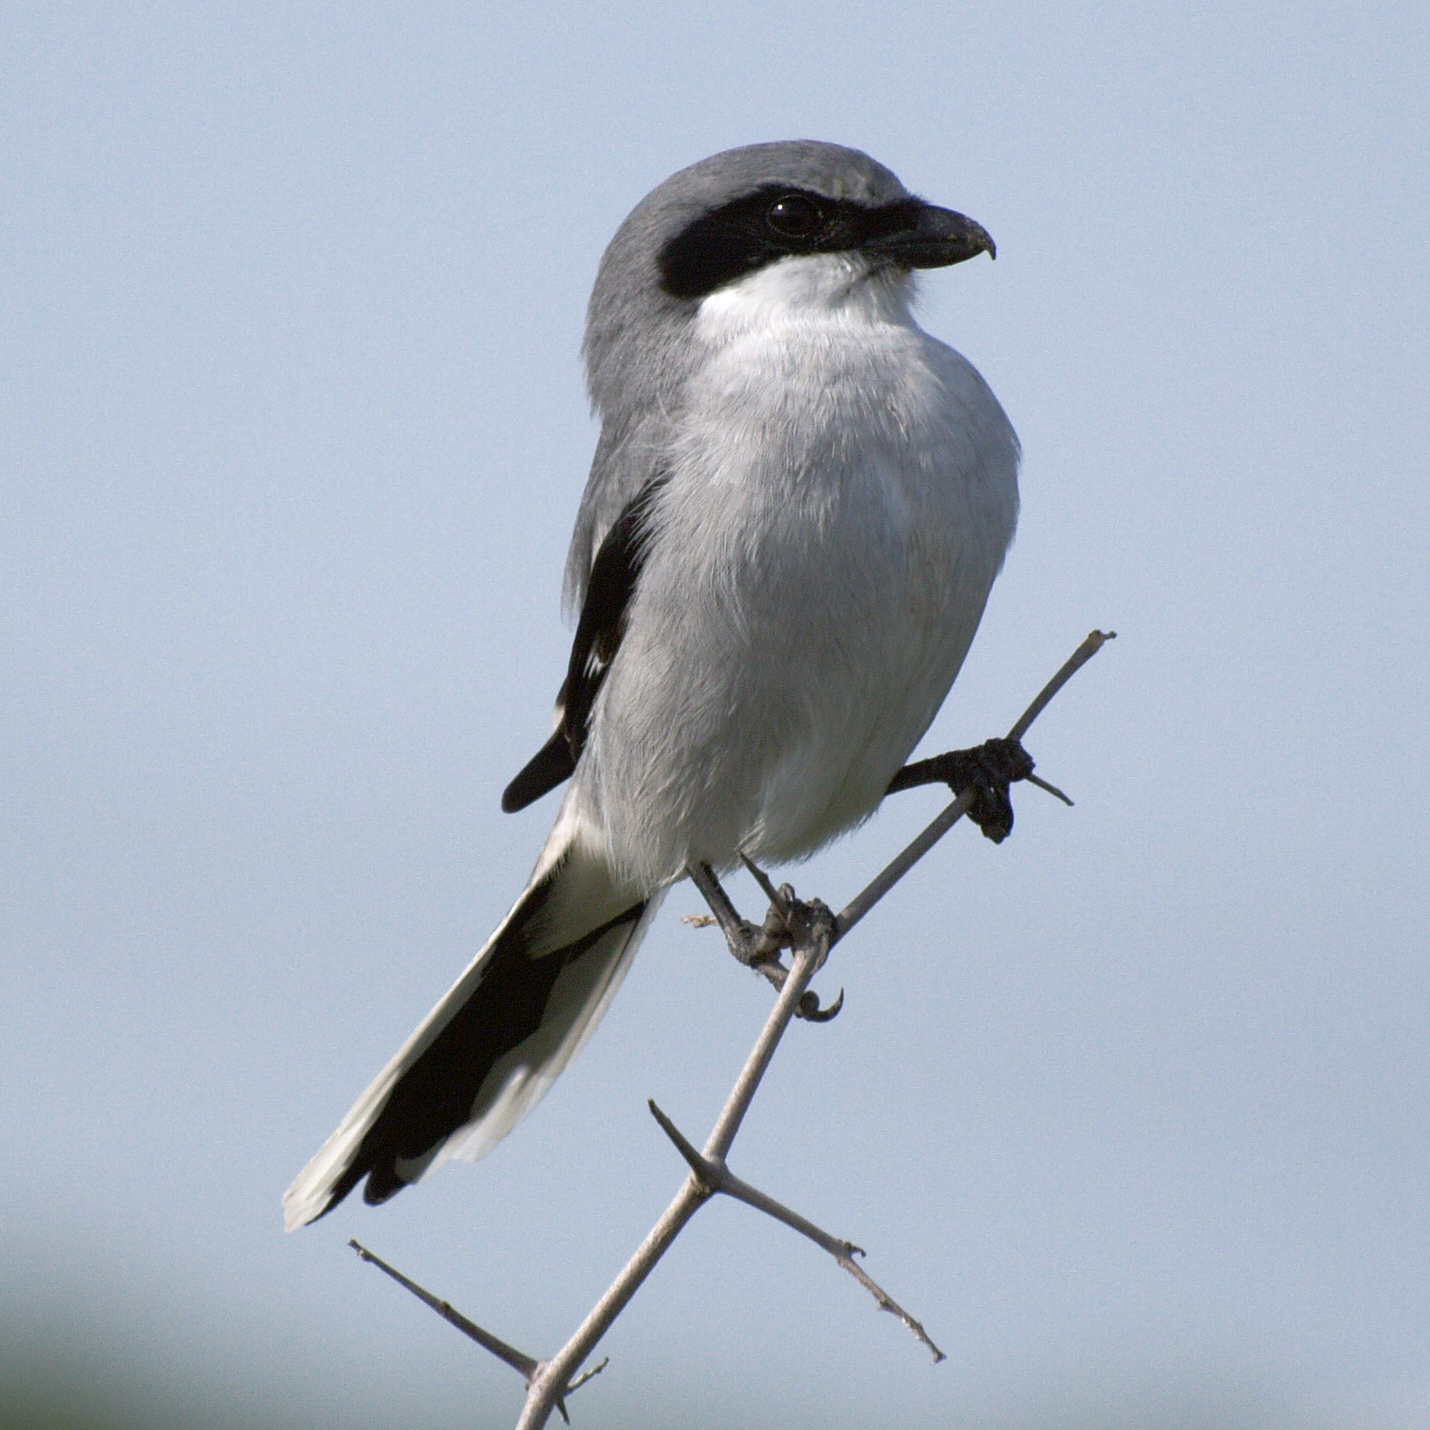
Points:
726	217
704	228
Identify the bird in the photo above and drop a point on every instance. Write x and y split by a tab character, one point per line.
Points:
796	510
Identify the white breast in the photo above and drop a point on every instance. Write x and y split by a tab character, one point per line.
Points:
842	492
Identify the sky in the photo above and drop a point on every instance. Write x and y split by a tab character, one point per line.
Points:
1130	1111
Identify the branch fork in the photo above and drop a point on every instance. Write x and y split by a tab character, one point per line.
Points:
809	930
714	1177
528	1367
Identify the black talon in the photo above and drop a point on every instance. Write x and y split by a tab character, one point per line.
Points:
810	1010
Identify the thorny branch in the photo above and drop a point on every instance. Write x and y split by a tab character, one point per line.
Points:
524	1364
899	866
810	931
714	1176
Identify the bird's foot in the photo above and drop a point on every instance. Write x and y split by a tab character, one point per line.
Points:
749	943
802	926
793	923
754	944
987	769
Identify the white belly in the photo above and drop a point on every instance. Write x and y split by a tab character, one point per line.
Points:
839	502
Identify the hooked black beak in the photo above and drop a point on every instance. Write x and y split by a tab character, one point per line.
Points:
936	238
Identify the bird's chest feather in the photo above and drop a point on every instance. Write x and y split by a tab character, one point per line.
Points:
838	495
818	454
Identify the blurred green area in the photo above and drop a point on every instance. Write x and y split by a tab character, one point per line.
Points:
63	1396
93	1357
77	1374
61	1388
68	1386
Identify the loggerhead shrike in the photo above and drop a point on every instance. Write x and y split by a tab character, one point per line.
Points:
797	507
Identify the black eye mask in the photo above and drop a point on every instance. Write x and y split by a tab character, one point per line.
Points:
770	224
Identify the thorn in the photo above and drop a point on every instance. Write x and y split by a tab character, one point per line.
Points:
774	895
519	1361
698	1163
587	1375
1051	789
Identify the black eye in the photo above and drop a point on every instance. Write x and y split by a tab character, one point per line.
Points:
794	216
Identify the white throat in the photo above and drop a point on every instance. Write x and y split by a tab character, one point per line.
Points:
817	288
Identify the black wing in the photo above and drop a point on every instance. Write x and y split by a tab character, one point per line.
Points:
614	573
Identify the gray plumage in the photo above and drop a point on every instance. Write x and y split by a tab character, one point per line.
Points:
827	494
638	348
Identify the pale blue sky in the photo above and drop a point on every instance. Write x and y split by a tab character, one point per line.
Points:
1132	1111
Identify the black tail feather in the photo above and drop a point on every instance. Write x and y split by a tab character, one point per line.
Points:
434	1097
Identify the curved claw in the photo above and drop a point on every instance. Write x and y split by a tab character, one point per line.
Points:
810	1010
